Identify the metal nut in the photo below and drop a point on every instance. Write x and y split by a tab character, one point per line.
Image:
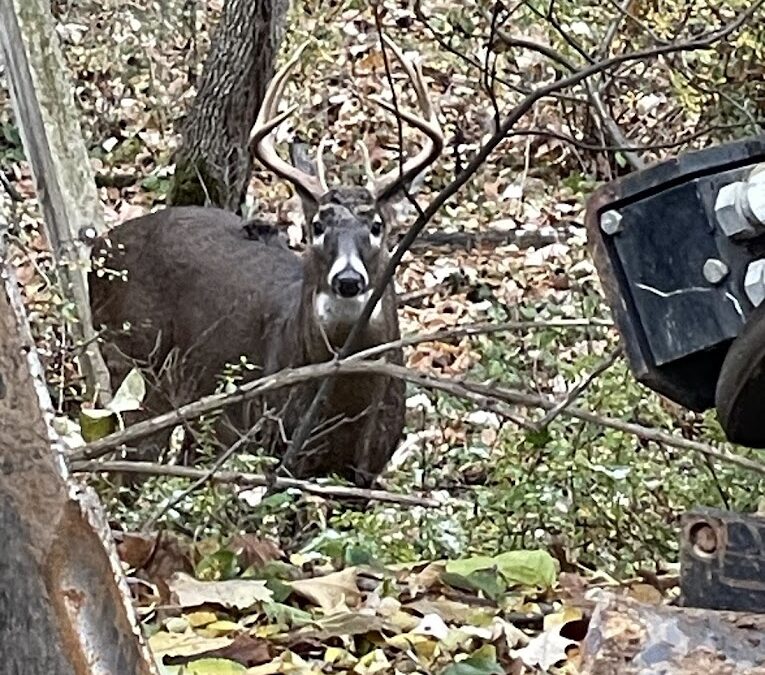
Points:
611	222
754	282
728	212
755	197
715	270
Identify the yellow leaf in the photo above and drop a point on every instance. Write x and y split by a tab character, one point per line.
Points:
373	662
339	657
221	628
185	644
197	619
270	668
566	615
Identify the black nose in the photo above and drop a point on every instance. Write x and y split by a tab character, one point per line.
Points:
348	284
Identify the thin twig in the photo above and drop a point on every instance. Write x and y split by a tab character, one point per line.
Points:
579	389
473	391
252	480
13	193
208	476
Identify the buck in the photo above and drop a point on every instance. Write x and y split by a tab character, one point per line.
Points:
200	290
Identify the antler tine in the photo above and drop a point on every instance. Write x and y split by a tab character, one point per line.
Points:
321	171
427	123
268	120
367	166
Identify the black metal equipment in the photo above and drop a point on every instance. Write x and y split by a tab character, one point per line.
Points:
680	250
722	556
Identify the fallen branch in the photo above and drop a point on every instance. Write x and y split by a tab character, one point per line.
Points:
291	376
252	480
474	391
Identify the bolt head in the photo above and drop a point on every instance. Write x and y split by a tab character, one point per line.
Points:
729	217
715	270
757	174
755	198
754	282
611	222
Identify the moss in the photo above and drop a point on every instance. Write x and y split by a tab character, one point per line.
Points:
193	185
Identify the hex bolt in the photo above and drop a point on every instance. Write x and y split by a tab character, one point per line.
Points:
715	270
728	211
740	206
755	194
754	282
611	222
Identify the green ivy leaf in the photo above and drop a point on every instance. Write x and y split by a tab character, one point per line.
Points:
481	662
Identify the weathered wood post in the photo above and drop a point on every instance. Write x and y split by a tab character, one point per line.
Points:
50	131
64	607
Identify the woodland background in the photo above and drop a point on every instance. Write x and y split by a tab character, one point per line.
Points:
602	502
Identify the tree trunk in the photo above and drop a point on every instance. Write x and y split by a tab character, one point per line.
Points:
49	125
64	608
214	163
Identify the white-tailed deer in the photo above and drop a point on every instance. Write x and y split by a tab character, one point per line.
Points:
202	290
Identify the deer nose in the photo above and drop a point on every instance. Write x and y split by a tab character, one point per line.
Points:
348	283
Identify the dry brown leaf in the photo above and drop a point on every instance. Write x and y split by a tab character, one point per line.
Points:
330	591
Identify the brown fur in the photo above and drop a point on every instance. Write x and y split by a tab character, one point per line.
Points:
201	288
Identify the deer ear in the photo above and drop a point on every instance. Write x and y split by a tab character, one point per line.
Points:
301	159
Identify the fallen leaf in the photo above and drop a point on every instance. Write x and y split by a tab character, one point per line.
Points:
545	650
481	662
253	551
330	591
184	644
433	626
244	650
529	568
209	667
233	594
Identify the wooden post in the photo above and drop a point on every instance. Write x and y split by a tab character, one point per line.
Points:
64	607
50	131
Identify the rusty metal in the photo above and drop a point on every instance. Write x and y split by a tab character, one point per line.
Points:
626	637
64	605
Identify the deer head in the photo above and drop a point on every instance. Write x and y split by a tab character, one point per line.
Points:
346	224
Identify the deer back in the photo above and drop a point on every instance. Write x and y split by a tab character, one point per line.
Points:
187	283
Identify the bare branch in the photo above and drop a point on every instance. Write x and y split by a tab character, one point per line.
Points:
208	476
579	389
251	479
292	376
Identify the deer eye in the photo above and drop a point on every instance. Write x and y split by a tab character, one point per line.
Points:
377	226
318	227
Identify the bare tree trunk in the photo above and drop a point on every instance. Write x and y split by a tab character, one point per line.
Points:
213	164
64	608
49	125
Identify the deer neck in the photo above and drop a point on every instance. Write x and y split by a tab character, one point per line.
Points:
326	324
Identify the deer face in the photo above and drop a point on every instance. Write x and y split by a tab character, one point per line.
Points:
346	224
347	239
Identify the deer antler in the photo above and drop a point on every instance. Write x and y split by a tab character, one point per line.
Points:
268	120
428	124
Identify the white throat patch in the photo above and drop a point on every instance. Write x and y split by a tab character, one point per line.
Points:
332	311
